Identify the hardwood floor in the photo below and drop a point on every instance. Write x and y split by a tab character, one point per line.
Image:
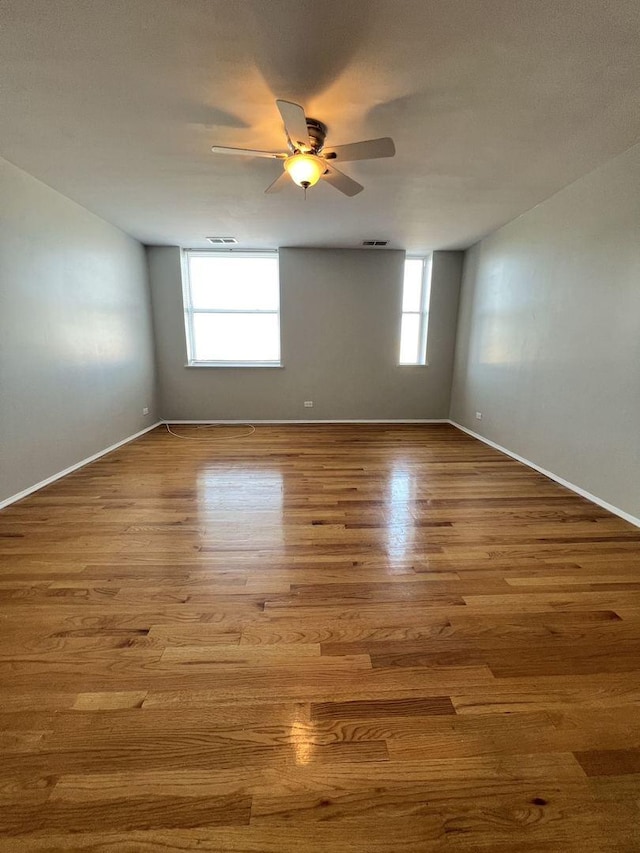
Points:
317	639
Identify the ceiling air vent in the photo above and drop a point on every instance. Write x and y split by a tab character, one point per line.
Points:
222	241
374	242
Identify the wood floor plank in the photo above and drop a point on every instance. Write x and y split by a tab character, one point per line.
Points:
126	814
381	709
320	639
610	762
508	695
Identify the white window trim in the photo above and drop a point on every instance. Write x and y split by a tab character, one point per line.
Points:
425	303
189	310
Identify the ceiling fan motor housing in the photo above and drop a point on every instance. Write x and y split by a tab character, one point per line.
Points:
317	134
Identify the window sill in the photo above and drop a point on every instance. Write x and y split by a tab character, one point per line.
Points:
224	364
413	365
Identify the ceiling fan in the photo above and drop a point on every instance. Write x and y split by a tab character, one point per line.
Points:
308	160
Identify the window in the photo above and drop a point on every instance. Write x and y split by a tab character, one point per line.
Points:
232	309
416	290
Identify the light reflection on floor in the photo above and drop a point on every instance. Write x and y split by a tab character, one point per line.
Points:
238	504
400	521
301	738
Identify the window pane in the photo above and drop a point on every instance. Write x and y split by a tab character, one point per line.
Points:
236	337
412	285
234	283
409	339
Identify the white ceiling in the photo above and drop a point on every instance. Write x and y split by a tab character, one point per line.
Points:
493	104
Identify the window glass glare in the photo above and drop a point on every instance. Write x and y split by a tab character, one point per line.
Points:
412	289
232	309
414	324
236	337
409	338
234	283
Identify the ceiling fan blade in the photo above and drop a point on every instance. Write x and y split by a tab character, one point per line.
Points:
248	152
280	182
342	182
370	149
295	123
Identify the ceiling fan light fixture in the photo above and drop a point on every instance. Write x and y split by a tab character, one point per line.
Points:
305	169
307	159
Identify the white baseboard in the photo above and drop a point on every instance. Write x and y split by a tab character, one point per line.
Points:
25	492
327	421
571	486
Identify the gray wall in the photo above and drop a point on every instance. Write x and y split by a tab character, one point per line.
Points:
549	335
76	351
340	326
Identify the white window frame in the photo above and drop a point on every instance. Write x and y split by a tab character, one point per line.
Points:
425	300
190	311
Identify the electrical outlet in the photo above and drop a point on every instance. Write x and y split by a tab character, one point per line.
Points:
308	404
145	411
478	416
